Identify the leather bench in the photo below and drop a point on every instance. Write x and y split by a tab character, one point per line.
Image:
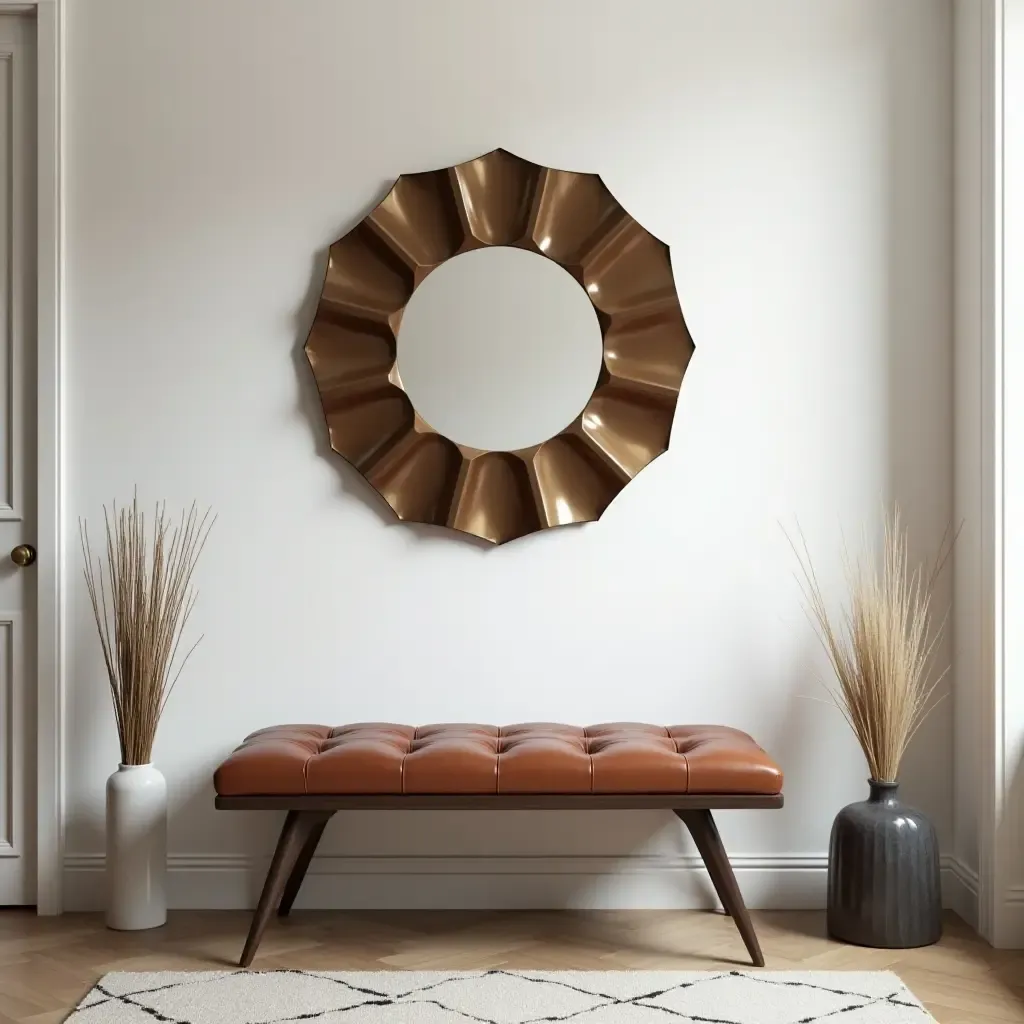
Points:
311	771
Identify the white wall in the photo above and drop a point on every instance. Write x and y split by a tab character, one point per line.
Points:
796	156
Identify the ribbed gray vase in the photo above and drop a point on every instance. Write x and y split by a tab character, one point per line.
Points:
883	874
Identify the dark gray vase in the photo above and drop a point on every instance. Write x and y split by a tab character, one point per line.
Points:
883	874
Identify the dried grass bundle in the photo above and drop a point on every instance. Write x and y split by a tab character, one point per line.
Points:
142	604
881	646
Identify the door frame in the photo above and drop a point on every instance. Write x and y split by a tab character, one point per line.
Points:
989	464
50	562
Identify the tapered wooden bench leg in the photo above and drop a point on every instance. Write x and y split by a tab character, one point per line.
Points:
709	844
297	828
294	883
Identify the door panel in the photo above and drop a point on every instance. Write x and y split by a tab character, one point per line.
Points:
17	460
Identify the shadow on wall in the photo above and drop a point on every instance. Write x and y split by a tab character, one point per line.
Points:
460	868
920	379
188	802
801	746
351	483
91	712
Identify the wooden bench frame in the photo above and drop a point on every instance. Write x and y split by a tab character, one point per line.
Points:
307	817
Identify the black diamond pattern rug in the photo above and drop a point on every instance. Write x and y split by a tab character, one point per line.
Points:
501	997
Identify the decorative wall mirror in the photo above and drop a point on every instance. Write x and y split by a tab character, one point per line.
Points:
499	347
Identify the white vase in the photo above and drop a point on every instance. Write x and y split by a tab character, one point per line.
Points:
136	848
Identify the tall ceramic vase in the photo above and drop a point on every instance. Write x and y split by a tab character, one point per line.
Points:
883	874
136	848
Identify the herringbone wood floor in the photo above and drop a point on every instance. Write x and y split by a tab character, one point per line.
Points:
47	964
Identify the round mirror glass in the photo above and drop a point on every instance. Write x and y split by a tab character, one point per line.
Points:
499	348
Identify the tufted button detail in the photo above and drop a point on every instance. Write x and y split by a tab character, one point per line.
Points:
540	757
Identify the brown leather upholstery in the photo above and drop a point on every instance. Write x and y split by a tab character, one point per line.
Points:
378	758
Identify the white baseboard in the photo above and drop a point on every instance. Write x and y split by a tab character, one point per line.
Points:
1011	931
232	882
960	889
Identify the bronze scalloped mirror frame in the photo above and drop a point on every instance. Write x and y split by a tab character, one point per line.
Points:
426	219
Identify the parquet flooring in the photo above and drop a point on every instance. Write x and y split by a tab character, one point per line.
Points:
47	964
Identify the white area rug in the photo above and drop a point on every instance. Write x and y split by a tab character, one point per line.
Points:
501	997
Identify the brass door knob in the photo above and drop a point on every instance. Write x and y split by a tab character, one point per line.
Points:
23	554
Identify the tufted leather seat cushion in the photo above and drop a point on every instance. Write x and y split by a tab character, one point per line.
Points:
374	758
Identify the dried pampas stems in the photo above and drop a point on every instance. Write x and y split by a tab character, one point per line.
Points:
881	646
142	604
